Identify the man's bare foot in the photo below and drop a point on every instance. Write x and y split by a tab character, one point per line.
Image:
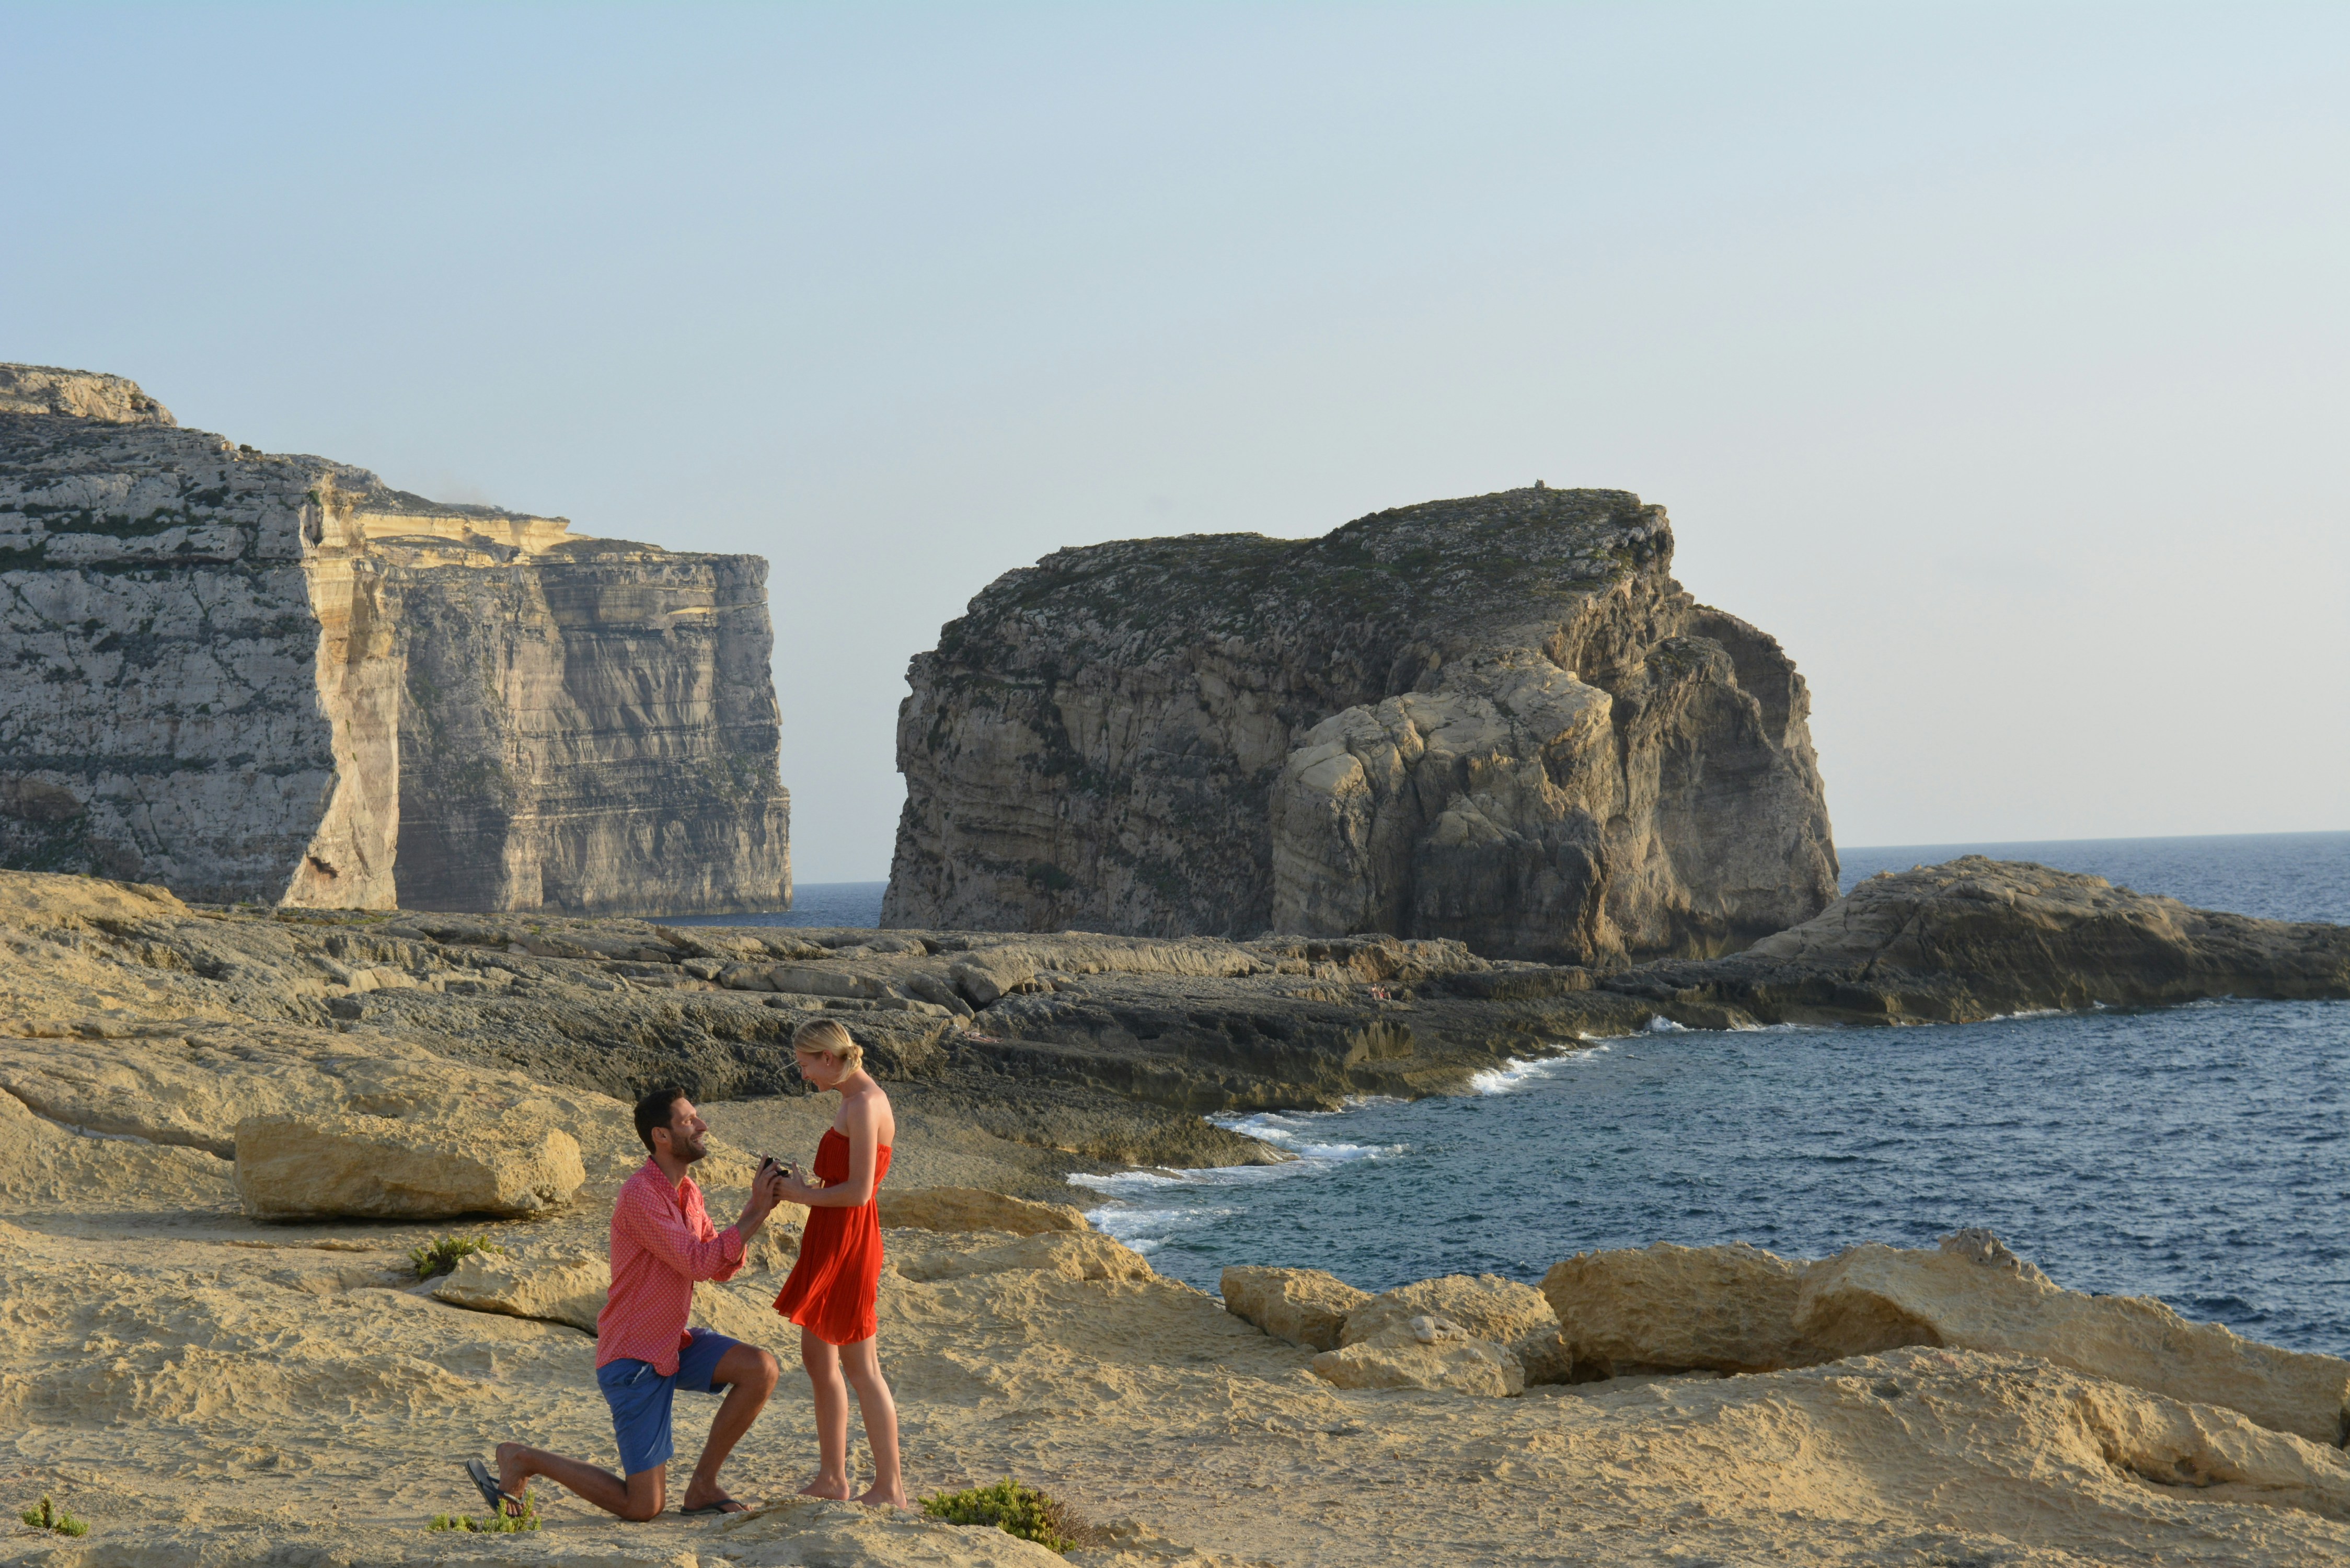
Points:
834	1487
511	1479
701	1499
895	1497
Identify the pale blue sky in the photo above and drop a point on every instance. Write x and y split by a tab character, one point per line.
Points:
1996	359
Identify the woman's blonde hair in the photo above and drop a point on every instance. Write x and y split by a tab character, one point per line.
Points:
825	1037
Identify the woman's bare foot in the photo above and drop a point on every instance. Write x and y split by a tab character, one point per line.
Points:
894	1497
836	1488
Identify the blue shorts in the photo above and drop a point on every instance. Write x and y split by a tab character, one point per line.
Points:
640	1398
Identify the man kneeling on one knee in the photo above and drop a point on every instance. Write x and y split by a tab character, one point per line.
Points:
662	1242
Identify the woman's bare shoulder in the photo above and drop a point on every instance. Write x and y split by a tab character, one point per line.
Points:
868	1106
873	1108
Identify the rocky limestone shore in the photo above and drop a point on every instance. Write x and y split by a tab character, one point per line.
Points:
223	1133
1669	1310
1496	721
270	679
1103	1048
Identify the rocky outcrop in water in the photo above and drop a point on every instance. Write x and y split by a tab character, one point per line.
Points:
271	678
1497	721
1976	937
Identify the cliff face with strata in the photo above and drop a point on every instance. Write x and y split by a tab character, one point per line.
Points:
1498	720
274	679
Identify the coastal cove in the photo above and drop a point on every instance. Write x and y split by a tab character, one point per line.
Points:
2195	1154
232	1130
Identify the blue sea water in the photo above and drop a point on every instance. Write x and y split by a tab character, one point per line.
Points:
2199	1154
2280	876
855	904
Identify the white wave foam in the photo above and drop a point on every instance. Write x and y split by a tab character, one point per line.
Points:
1148	1229
1661	1025
1125	1183
1289	1129
1147	1208
1519	1071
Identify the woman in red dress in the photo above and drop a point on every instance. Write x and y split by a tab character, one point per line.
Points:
830	1292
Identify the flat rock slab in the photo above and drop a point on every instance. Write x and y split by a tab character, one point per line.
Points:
566	1287
1305	1306
394	1167
972	1209
1072	1255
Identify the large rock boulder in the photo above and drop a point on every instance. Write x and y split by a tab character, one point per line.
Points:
196	1088
1502	1312
1664	1308
972	1209
1305	1306
1738	1309
1426	1351
1967	1296
1975	937
403	1167
1497	719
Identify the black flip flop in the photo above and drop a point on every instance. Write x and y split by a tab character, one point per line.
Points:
723	1505
496	1499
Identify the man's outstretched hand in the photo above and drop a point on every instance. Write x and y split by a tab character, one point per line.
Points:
766	1191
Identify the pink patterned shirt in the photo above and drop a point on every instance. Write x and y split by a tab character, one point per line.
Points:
661	1243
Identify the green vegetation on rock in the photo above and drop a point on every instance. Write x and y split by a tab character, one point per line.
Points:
47	1516
499	1523
441	1257
1015	1509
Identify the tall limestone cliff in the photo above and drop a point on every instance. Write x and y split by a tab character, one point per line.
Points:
258	677
1497	719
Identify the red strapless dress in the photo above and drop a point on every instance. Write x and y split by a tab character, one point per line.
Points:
831	1290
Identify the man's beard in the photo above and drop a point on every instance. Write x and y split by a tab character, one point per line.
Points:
686	1148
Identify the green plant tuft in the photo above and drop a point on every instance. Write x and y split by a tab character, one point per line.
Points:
48	1516
441	1257
1015	1509
498	1523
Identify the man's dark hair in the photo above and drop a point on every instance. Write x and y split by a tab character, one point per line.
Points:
653	1111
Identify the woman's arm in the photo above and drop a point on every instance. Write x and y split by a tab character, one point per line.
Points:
856	1190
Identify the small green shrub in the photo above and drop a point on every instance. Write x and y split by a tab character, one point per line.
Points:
50	1517
441	1256
1013	1509
498	1523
